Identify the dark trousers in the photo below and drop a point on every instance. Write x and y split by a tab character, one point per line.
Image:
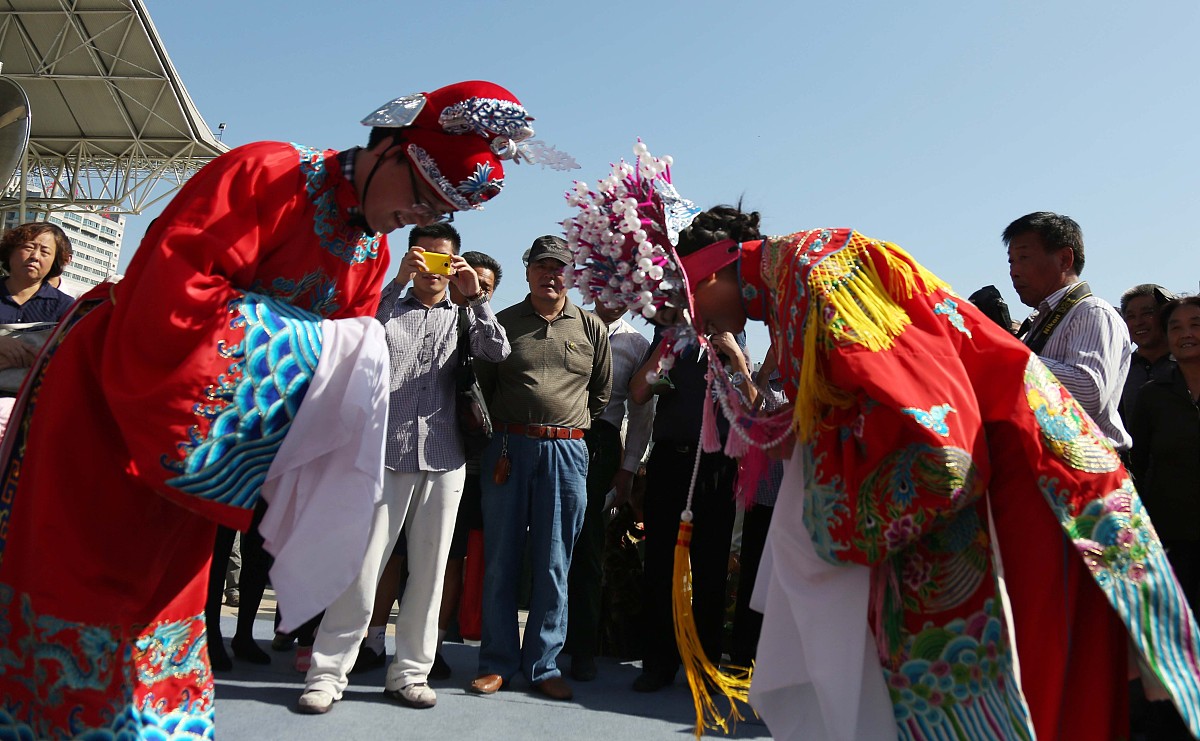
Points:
747	623
668	475
306	634
256	562
1184	556
586	580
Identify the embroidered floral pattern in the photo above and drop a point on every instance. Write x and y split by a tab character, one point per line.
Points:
902	530
932	478
1113	534
1066	428
958	558
345	242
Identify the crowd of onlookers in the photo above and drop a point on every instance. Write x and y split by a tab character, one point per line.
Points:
550	516
569	510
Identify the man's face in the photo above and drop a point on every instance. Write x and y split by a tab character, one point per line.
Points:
545	278
431	285
607	315
1035	272
1144	328
487	284
397	197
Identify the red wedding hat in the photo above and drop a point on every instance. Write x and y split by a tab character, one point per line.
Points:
457	136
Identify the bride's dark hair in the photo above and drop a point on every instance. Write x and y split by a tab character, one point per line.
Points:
717	223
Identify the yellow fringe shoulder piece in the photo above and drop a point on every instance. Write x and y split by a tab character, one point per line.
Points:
847	301
707	682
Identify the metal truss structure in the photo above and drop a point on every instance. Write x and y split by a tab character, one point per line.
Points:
113	127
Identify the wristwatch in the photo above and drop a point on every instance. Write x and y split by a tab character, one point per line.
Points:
477	299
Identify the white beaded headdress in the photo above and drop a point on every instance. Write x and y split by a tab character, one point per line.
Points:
624	241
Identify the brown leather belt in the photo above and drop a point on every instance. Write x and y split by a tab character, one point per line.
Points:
542	432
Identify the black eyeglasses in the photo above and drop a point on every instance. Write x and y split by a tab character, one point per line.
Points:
422	209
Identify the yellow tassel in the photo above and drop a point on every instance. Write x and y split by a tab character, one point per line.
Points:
704	679
850	303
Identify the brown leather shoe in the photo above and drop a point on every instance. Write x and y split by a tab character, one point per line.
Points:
486	684
556	688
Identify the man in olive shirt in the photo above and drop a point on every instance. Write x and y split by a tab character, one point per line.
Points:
542	397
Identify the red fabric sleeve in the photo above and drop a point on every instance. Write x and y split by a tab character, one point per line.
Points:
169	340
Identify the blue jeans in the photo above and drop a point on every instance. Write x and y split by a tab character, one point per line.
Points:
546	495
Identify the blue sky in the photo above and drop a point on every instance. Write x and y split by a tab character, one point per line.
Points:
928	124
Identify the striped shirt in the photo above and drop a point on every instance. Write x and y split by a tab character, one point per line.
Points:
629	349
422	428
1089	354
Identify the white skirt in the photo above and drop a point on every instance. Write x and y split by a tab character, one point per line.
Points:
817	676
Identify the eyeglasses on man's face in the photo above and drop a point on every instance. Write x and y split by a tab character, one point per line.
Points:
423	210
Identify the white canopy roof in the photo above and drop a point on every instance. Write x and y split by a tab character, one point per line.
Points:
112	125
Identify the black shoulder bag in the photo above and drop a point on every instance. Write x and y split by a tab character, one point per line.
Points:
474	422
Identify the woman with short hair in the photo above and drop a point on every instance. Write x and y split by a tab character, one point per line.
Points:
31	254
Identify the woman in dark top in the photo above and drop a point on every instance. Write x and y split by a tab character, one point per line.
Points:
1166	445
31	254
1165	462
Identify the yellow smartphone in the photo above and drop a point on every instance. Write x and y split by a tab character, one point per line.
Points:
437	263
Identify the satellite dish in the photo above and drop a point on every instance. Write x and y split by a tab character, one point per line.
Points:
14	128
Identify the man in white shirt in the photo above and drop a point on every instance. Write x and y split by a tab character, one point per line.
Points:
610	468
1079	337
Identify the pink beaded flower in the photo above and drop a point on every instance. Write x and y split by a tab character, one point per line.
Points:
624	236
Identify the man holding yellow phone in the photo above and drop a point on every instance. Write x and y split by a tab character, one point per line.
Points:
425	469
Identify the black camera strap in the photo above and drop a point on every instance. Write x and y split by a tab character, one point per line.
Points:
1040	333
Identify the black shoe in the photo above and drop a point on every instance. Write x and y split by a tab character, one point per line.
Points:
440	669
247	650
218	659
282	641
651	681
368	659
583	668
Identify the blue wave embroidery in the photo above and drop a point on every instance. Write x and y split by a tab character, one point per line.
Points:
254	403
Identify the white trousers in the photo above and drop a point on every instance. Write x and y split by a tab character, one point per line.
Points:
424	505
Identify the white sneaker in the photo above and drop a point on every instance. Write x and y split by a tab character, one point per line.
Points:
315	702
418	695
